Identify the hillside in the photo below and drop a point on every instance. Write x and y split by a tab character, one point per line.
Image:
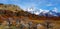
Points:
13	12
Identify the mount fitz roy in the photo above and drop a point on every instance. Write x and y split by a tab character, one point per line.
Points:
40	12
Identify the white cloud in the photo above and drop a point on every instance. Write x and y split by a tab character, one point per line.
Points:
44	11
55	9
41	10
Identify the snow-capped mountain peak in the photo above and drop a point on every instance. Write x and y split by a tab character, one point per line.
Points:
43	12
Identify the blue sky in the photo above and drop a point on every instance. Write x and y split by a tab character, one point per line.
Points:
39	4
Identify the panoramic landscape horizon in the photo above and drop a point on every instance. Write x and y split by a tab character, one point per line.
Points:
29	14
